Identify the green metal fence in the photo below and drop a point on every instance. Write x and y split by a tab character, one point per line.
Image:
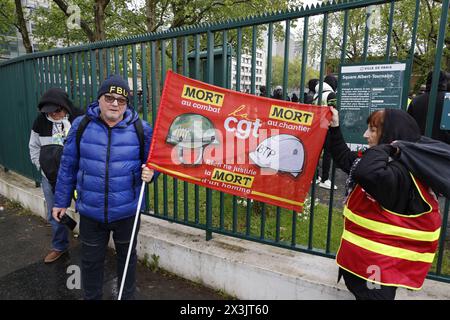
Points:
196	52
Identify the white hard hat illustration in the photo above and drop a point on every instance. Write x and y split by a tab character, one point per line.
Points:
191	131
282	152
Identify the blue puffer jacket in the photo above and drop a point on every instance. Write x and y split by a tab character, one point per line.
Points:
107	173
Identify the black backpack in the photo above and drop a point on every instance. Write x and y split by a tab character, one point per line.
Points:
428	160
137	125
49	158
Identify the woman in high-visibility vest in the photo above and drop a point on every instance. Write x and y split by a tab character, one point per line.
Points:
391	219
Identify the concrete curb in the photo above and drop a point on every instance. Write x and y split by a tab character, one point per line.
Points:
241	268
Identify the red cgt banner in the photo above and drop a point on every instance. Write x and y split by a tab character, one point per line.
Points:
246	145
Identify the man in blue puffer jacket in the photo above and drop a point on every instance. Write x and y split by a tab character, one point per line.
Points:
106	170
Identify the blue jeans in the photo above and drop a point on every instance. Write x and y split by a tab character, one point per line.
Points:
60	241
94	238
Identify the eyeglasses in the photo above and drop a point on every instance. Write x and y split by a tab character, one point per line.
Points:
111	99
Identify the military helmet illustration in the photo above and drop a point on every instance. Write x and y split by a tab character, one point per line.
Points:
282	152
191	131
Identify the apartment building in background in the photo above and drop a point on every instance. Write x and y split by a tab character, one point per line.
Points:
13	47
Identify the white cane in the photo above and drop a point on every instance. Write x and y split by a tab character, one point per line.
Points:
124	275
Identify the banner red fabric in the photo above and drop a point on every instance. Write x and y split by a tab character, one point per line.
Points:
242	144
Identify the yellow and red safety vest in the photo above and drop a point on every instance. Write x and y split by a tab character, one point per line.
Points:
385	247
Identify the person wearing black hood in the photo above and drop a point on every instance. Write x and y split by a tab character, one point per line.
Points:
309	96
48	134
391	219
278	94
328	99
418	108
262	91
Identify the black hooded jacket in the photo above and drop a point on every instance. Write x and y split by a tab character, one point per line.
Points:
57	97
309	97
418	108
44	154
379	173
332	81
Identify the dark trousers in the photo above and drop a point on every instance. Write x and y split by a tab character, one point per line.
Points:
326	159
359	288
94	238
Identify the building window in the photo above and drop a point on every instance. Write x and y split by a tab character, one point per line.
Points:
13	47
4	49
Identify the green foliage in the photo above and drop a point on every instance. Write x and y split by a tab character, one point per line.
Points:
403	20
51	28
51	24
152	263
126	18
7	21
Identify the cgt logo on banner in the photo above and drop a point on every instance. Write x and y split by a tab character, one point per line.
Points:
246	145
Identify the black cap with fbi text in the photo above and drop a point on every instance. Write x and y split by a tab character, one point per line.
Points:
114	84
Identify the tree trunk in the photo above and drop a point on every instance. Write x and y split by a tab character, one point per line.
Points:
99	14
179	56
151	27
150	10
23	27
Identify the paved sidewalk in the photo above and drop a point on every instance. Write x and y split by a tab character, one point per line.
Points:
25	240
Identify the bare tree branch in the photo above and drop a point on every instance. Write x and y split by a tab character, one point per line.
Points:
22	27
84	25
9	20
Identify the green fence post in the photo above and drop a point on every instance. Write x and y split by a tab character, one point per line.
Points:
304	58
210	79
437	63
287	36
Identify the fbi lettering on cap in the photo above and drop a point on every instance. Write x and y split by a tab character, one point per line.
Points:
118	90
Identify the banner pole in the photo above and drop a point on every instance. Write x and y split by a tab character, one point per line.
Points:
124	274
